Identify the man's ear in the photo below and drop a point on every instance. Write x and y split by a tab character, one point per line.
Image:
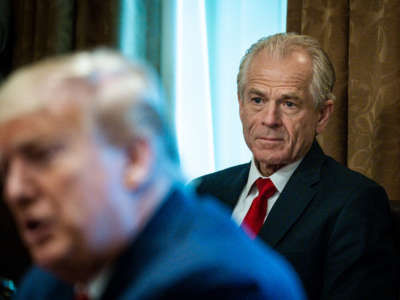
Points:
239	98
139	164
240	102
324	114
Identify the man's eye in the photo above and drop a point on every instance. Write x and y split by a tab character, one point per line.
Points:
4	168
42	155
39	154
289	104
256	100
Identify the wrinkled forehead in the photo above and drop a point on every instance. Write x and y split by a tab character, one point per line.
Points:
293	54
296	66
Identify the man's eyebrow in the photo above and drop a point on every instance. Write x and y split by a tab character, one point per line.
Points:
255	91
2	159
293	96
29	145
22	147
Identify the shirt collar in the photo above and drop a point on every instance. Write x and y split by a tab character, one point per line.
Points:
278	178
97	285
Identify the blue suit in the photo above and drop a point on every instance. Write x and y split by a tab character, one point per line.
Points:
331	223
189	250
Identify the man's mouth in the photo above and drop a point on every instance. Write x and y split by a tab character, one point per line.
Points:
32	224
36	231
270	139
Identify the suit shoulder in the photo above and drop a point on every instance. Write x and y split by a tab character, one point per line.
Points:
344	175
219	176
216	266
38	284
350	188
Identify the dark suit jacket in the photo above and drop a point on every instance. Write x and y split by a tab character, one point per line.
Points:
189	250
331	223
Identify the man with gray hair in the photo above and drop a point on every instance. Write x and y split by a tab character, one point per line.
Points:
91	176
331	223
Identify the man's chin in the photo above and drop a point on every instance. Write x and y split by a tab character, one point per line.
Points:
268	158
48	256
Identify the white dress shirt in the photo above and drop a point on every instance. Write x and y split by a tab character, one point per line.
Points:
250	191
96	287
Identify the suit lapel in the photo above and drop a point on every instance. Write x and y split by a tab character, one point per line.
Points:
233	184
295	197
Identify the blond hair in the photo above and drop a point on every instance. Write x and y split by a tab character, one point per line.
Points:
126	97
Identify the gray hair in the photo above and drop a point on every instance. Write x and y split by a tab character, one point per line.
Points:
282	44
125	97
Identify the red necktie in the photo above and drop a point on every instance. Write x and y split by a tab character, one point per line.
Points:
81	296
254	219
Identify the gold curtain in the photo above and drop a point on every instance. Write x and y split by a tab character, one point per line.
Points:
361	37
48	27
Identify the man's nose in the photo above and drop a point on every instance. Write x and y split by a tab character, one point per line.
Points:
18	188
271	115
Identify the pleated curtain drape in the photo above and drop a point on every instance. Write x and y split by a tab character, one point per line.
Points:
44	28
361	37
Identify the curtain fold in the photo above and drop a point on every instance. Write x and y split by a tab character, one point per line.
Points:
361	38
48	27
41	28
5	37
97	23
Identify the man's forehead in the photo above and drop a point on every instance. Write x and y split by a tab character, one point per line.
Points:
42	85
295	54
40	126
295	61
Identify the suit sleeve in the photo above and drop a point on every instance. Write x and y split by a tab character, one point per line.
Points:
361	261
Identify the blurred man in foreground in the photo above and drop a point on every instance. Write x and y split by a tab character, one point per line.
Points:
91	176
